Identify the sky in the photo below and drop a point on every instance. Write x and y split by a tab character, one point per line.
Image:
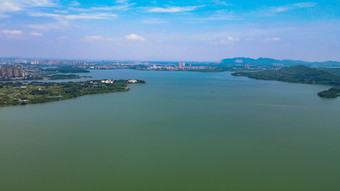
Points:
176	30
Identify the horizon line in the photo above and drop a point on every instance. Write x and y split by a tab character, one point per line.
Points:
112	60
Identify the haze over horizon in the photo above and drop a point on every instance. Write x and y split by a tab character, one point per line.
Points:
165	61
176	30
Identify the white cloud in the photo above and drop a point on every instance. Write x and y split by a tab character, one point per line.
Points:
116	7
2	16
219	2
19	5
39	3
12	32
172	9
75	16
272	11
214	36
217	38
90	16
36	34
6	6
230	38
292	7
221	15
122	1
305	5
273	39
48	26
121	5
280	9
39	14
75	4
61	11
134	37
97	37
154	21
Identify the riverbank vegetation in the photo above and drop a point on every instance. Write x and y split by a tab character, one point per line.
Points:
16	93
299	74
67	69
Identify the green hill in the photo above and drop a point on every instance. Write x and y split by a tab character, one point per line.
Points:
331	93
295	74
335	71
269	62
299	74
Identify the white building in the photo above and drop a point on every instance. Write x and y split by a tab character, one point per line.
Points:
107	81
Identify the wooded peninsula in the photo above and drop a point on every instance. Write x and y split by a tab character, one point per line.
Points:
300	74
18	93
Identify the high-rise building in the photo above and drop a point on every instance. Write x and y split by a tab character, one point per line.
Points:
181	64
13	71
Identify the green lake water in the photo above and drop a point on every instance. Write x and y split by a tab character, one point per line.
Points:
181	131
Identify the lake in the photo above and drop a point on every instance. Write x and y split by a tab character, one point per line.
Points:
181	131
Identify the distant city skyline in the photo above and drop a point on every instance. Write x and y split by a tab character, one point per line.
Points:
198	30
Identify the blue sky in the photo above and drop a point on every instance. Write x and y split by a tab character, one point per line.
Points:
195	30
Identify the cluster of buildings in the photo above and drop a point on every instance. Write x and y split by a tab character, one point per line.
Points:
171	67
43	62
66	63
182	65
11	71
109	66
108	81
112	81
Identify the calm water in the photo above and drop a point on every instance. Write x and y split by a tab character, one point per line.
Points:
179	132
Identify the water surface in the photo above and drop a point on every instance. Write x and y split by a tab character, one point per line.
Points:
180	131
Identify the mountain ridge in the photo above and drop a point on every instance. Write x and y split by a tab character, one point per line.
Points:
271	61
